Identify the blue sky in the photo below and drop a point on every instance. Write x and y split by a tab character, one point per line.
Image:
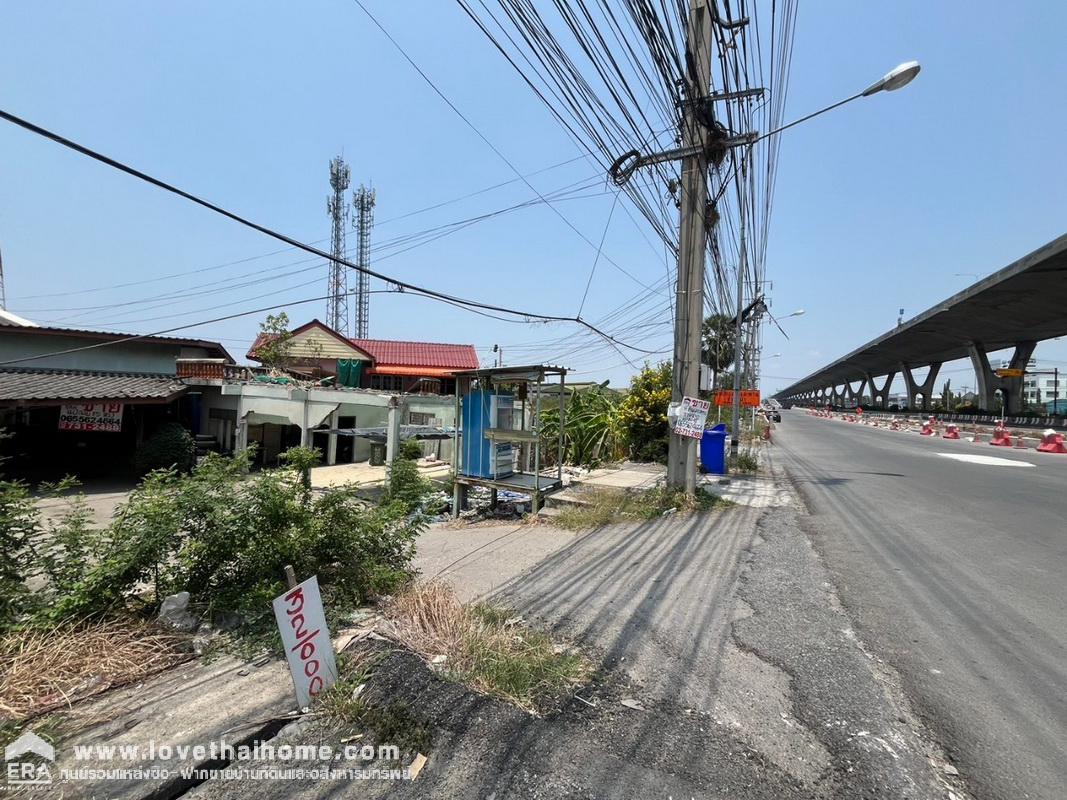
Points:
879	204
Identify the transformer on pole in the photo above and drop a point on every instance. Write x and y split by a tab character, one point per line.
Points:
363	202
337	305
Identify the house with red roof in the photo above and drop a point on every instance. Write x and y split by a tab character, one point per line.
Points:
387	365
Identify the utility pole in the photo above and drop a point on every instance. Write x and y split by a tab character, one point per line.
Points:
735	423
689	295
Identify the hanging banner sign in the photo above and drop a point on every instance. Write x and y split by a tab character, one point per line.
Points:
91	417
691	418
302	624
749	398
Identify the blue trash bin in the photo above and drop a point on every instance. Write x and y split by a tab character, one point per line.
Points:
713	450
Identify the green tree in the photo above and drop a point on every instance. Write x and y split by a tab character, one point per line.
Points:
718	335
643	414
947	400
277	346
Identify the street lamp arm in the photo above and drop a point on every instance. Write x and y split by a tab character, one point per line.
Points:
789	125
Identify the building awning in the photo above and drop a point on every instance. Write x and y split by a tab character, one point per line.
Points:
379	433
27	386
285	411
413	372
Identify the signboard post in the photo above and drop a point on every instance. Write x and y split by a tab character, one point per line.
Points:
302	624
691	418
91	417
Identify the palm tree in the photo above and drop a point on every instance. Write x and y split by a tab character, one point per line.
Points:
718	335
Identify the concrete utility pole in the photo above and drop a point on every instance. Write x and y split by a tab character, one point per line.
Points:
735	423
689	296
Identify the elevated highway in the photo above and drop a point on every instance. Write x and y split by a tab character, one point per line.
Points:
1016	307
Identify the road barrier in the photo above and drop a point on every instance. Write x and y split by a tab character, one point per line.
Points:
951	432
928	428
1052	442
1000	436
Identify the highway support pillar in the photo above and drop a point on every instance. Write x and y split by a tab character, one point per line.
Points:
989	382
883	393
925	387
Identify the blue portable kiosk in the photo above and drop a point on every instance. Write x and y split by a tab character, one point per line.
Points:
483	457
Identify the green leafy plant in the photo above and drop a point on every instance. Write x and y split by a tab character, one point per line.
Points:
591	432
643	414
276	346
302	459
410	450
405	485
225	537
170	446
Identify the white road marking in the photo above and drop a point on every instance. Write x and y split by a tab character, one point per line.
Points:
991	461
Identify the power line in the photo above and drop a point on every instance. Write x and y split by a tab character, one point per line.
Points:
485	139
288	239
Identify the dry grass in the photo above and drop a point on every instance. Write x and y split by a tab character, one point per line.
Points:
604	506
485	646
41	671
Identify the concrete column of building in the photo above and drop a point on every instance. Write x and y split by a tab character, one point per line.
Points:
392	435
989	382
926	387
240	436
331	439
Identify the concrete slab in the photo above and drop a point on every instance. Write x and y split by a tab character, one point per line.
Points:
195	704
366	475
756	491
627	475
477	560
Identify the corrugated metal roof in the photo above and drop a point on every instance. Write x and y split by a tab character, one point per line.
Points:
64	384
43	330
387	352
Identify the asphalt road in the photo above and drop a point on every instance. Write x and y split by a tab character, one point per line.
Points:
955	572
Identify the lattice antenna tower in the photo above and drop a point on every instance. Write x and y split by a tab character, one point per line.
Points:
337	305
363	202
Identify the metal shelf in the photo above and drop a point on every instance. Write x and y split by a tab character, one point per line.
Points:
506	435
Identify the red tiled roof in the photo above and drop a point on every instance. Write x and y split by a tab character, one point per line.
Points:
389	353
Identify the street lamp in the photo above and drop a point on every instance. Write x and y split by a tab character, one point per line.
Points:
894	79
700	148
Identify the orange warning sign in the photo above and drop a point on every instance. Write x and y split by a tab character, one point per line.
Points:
749	398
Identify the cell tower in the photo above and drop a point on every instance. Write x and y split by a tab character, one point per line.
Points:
337	305
363	202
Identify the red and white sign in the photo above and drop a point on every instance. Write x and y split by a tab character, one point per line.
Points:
691	418
91	417
306	639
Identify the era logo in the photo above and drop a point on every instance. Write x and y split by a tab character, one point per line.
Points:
24	772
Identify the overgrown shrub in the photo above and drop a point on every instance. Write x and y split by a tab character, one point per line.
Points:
643	414
57	553
410	450
170	446
405	486
225	537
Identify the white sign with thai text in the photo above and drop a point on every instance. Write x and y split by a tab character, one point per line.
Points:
306	639
91	417
691	418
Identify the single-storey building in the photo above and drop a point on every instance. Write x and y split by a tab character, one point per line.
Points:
387	365
80	402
